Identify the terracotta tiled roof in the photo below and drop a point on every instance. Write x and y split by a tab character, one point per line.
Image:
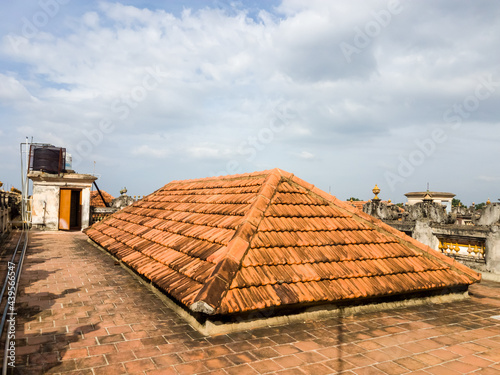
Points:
266	239
96	200
357	204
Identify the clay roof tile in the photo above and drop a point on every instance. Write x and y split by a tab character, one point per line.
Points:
239	243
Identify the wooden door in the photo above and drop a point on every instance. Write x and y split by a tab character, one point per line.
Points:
64	209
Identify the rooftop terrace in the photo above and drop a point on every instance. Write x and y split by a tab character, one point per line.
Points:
80	312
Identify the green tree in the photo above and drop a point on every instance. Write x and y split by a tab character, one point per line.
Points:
354	199
480	206
456	202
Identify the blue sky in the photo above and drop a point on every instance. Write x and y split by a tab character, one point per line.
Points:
345	95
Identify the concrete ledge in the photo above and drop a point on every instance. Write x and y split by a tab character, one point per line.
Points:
491	276
209	327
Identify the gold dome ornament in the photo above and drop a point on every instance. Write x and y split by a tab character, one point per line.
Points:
376	191
488	201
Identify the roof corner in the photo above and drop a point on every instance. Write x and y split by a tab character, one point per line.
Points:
203	307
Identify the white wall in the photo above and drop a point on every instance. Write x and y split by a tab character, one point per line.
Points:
45	207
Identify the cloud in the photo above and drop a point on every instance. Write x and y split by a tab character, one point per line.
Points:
305	155
12	91
489	178
150	152
222	72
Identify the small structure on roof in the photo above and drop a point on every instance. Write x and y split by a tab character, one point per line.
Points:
430	196
61	197
269	245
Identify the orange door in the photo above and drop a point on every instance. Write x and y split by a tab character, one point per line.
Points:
64	209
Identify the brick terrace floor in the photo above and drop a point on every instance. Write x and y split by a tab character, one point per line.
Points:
80	313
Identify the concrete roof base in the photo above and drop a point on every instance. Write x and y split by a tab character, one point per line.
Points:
211	326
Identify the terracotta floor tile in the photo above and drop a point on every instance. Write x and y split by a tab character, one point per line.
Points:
123	356
370	370
391	368
442	370
139	365
491	355
410	363
241	370
266	366
116	369
428	359
316	369
306	345
94	361
241	358
385	340
102	349
360	360
289	361
163	371
217	351
217	363
294	371
311	357
379	355
265	353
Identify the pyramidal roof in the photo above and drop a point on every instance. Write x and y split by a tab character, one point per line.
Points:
234	244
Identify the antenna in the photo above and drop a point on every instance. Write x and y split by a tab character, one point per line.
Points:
427	186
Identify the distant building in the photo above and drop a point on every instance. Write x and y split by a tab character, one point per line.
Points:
437	197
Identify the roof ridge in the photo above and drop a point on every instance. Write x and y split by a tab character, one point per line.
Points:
208	299
226	177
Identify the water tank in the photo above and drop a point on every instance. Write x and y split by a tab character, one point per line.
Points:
48	159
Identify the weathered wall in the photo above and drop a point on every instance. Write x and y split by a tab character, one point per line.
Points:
493	250
489	215
45	207
423	233
85	207
432	211
381	210
122	201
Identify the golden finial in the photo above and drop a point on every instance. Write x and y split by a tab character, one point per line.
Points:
376	191
389	201
488	201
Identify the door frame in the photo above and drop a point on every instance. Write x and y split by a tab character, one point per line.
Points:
66	208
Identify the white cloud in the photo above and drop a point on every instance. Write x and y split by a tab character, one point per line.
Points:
150	152
305	155
12	91
223	73
489	178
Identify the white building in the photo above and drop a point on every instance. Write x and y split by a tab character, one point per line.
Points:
60	201
438	197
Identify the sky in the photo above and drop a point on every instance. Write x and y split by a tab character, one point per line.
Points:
345	95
